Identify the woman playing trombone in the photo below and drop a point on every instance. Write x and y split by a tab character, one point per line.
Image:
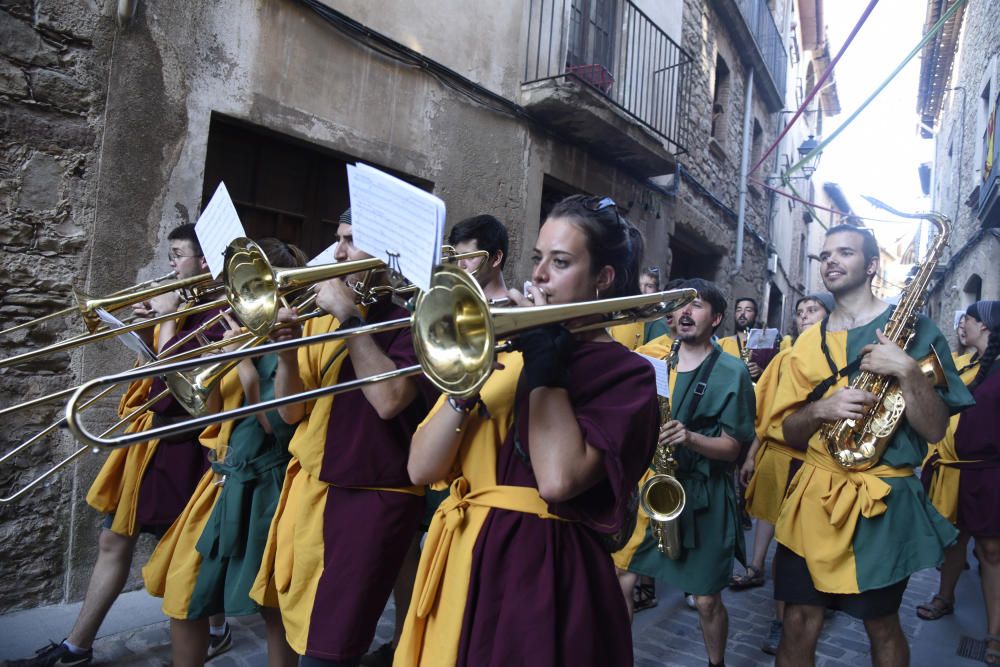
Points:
543	467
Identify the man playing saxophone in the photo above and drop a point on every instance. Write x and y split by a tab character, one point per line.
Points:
712	402
849	540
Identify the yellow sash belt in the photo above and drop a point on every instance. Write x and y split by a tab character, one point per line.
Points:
451	516
943	491
855	492
819	517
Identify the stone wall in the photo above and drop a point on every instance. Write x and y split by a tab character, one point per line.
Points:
716	164
972	253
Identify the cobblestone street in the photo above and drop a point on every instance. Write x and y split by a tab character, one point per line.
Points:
665	635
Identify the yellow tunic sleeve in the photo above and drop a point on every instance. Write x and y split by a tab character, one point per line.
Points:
629	335
730	345
319	366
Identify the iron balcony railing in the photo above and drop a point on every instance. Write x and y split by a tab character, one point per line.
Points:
765	32
617	50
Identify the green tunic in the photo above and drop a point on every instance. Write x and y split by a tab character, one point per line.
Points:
907	506
232	543
709	525
654	329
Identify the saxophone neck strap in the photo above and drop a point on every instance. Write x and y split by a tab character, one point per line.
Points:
835	373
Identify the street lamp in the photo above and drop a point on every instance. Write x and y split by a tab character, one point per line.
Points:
807	147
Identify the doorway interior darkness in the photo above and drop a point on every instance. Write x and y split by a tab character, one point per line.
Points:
282	186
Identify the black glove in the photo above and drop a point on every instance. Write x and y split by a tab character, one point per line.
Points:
546	351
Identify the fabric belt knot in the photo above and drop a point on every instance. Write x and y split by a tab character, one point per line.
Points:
224	531
452	514
853	493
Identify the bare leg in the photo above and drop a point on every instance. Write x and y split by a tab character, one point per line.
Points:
761	541
627	582
988	550
714	621
889	645
402	590
798	641
217	620
189	641
279	653
951	570
114	558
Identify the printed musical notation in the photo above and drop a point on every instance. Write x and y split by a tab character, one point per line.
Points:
396	222
662	374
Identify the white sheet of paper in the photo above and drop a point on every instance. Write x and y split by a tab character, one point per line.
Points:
131	339
662	374
216	228
392	217
325	257
761	339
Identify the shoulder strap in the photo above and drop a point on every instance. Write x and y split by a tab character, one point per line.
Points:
701	382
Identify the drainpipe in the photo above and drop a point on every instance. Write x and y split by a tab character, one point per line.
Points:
744	166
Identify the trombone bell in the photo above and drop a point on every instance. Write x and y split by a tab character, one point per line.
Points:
453	335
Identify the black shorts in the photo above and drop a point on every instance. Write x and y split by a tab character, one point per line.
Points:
793	585
155	531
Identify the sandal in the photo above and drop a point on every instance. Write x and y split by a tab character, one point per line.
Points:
644	597
749	579
992	656
935	609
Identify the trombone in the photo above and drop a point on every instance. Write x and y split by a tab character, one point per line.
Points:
455	332
88	311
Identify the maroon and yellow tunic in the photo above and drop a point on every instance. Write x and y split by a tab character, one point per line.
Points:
507	579
148	484
347	512
775	462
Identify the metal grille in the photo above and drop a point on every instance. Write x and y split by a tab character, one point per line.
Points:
973	649
616	49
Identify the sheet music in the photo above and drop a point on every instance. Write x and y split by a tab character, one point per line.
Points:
761	339
393	218
216	228
325	257
131	340
662	374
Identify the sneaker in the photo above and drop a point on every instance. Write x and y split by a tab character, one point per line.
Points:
54	655
219	644
770	645
380	657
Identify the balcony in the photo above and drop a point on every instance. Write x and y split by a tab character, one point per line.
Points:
604	74
757	38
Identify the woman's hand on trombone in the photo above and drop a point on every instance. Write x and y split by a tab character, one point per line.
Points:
532	296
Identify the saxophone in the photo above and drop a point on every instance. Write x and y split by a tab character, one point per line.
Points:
662	497
858	444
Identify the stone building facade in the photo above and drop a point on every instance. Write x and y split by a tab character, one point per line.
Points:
118	128
958	98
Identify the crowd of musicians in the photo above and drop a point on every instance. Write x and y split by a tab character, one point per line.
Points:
506	524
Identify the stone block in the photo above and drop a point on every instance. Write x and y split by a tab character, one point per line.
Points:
20	42
12	80
40	183
76	18
15	233
59	90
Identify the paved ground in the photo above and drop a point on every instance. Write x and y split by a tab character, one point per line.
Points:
136	634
